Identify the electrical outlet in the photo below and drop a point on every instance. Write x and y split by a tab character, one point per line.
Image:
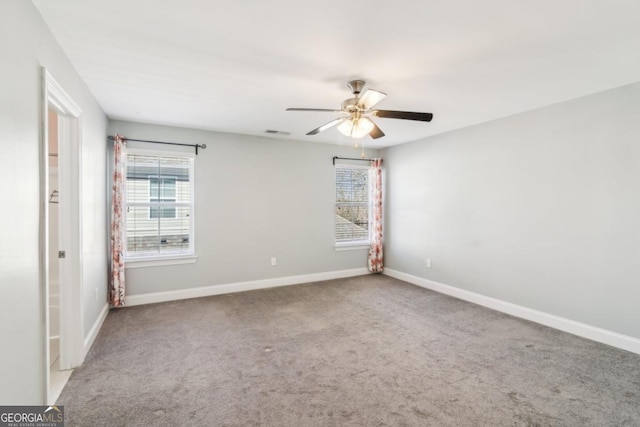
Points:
273	261
428	262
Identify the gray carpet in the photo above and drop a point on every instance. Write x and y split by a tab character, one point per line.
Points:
365	351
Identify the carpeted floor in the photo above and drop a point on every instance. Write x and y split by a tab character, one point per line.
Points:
364	351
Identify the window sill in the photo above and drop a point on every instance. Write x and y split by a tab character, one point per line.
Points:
352	246
159	261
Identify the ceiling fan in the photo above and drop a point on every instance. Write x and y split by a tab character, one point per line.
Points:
357	112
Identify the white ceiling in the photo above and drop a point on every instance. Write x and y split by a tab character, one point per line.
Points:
235	66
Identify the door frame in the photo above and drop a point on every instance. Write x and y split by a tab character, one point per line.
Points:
70	226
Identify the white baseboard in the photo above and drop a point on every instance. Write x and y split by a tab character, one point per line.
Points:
93	333
206	291
593	333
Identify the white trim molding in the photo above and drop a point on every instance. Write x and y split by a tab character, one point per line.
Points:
357	247
159	262
229	288
93	333
58	97
583	330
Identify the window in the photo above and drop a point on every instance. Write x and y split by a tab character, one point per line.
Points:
353	205
159	205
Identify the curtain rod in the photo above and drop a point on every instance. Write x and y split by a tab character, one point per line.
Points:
196	146
349	158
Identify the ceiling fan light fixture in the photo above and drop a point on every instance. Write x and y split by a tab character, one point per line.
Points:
356	128
355	122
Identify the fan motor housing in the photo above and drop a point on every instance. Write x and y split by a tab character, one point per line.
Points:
350	105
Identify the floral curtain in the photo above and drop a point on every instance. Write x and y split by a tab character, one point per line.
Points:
375	251
116	283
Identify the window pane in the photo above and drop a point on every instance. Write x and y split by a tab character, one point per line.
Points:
175	167
158	177
352	205
140	171
352	223
142	232
164	212
169	232
168	189
174	232
352	185
162	190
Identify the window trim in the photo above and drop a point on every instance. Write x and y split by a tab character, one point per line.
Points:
352	244
150	259
160	261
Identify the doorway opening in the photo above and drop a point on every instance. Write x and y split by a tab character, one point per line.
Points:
60	239
57	377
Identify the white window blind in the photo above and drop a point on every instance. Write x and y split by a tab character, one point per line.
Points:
353	205
159	205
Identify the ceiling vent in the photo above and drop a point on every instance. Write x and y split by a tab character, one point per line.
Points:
276	132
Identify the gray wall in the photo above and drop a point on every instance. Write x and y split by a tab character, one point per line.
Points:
25	45
254	198
540	209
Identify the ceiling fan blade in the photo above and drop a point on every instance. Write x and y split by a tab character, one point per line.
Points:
405	115
376	132
314	109
327	126
370	98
